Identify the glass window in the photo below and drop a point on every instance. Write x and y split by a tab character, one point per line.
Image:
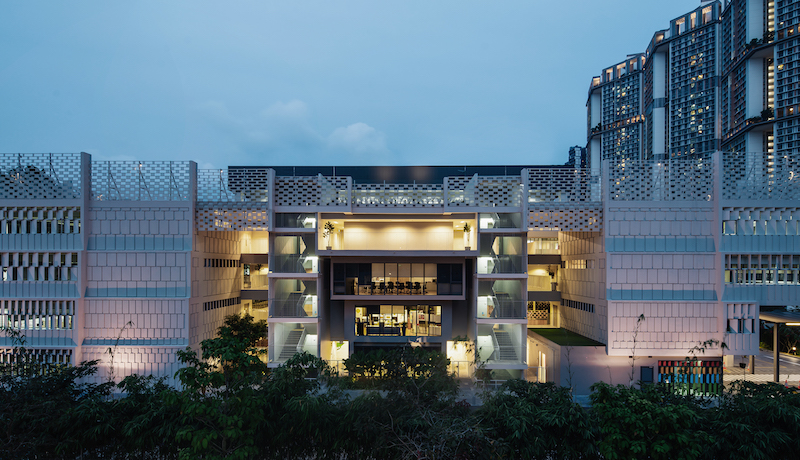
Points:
295	220
500	220
398	320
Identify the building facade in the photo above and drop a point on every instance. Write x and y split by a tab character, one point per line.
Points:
128	262
665	102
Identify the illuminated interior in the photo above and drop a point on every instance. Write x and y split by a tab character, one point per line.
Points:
397	234
399	320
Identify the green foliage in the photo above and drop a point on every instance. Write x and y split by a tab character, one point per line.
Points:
232	406
648	423
220	414
538	420
424	373
41	414
755	421
230	360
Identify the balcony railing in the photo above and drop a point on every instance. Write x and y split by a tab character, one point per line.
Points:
294	263
294	306
499	306
382	288
489	265
255	281
396	240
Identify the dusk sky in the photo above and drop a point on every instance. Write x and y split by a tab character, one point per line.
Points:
312	82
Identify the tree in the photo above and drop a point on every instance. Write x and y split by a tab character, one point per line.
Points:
39	411
220	404
538	420
639	321
755	421
651	422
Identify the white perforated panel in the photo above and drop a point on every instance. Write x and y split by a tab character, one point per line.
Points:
484	191
665	180
40	176
234	184
231	216
759	176
586	218
398	195
562	185
311	191
140	180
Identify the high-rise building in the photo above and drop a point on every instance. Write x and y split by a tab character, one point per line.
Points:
577	157
663	103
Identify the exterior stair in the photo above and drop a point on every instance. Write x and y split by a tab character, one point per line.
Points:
503	305
290	345
505	350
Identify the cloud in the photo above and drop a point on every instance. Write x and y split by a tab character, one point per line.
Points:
282	134
293	109
360	139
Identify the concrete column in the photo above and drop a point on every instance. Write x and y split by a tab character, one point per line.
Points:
776	365
658	117
755	20
754	90
596	106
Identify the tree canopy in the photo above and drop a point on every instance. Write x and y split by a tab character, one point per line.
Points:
397	404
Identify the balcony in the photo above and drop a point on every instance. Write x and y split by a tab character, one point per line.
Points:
256	281
543	246
397	279
408	235
295	305
501	264
294	263
501	307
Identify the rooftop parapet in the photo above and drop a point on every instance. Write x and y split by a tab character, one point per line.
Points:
483	191
562	185
760	176
397	195
141	180
234	185
40	175
690	179
319	190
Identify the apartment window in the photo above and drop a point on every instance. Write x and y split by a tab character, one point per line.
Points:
397	278
706	15
680	25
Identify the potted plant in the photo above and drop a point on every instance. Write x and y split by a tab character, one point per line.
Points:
327	232
467	230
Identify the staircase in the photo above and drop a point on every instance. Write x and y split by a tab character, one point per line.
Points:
290	345
505	348
504	307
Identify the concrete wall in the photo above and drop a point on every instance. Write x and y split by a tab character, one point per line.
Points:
586	285
587	364
663	264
